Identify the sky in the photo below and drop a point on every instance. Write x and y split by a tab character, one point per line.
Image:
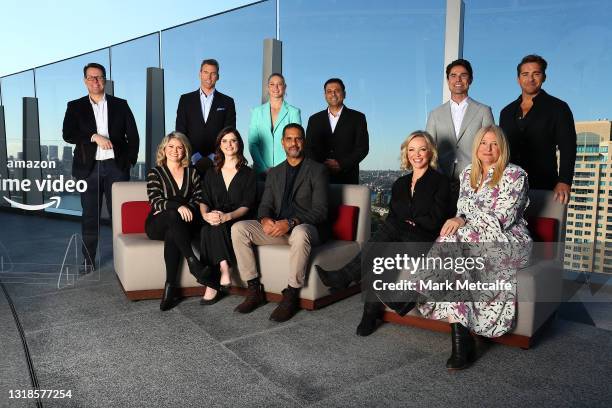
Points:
389	53
38	32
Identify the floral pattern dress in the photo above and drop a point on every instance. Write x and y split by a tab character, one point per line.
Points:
496	229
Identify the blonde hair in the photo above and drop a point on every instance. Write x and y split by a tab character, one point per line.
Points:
431	146
160	158
500	164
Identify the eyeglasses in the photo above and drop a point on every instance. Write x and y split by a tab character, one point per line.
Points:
90	78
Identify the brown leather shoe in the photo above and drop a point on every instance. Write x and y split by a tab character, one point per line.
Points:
288	307
255	297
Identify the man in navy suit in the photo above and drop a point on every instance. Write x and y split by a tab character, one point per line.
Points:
338	136
203	113
105	136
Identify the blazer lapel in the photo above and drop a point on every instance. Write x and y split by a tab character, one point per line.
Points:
341	120
301	176
449	114
281	115
267	115
470	113
280	185
110	111
197	107
90	113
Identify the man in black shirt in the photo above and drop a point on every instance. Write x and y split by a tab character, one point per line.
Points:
293	211
536	124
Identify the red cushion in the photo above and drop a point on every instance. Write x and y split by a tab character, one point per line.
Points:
133	216
542	229
345	225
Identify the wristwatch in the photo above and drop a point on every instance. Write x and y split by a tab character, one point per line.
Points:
291	223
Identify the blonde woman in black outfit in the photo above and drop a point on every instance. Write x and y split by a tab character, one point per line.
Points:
418	208
228	196
174	193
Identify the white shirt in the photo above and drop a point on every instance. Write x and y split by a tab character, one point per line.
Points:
458	113
206	102
100	111
333	120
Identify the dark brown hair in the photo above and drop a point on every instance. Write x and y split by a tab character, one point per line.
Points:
220	157
94	65
533	58
460	63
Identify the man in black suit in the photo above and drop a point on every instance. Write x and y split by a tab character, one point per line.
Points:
536	125
105	136
293	211
202	114
338	136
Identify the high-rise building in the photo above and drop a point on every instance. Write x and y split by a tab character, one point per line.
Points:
588	239
53	152
67	153
44	152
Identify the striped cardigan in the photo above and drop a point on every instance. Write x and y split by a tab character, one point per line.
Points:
164	193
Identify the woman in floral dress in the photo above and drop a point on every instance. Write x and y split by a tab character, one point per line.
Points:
490	223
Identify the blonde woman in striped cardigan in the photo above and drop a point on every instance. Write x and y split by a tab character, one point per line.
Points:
174	191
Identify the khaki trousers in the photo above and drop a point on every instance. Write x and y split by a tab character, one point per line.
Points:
302	238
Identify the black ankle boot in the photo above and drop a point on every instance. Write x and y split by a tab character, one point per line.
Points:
341	278
255	297
167	301
371	312
464	349
288	306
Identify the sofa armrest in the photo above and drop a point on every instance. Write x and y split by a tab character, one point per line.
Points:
539	289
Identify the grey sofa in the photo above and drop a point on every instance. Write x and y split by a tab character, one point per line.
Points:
539	285
139	263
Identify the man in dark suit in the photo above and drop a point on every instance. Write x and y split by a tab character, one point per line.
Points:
536	125
338	136
105	136
202	114
293	211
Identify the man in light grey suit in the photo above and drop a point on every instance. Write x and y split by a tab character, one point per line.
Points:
454	123
293	211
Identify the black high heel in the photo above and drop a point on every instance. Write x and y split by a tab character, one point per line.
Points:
168	301
221	293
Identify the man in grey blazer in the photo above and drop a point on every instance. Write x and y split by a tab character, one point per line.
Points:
293	211
454	123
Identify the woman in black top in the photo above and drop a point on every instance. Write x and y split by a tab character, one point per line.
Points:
419	206
228	195
174	193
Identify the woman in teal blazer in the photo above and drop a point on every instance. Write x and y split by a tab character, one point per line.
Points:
267	123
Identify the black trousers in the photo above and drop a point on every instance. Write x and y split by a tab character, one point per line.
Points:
416	245
168	226
99	184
